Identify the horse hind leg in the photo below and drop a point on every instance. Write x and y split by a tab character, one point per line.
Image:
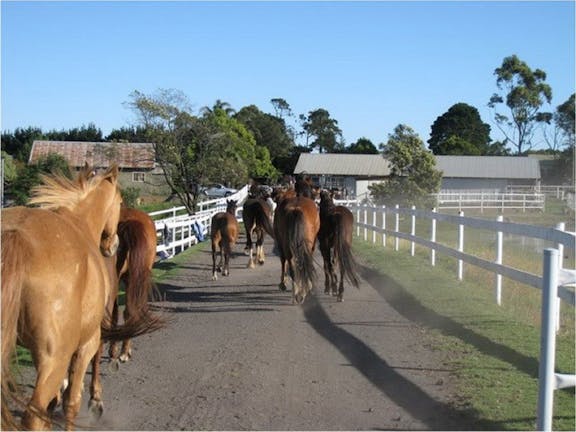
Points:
260	249
126	352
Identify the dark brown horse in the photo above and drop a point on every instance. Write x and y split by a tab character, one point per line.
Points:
224	233
335	242
256	217
296	224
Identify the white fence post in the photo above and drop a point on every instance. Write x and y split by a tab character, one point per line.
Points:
413	230
384	226
433	239
374	225
562	227
460	247
397	229
365	223
499	245
547	341
358	224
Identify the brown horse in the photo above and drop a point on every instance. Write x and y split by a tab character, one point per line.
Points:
335	242
132	265
55	286
135	259
224	233
256	217
296	224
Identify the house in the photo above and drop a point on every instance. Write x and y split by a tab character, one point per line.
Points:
353	173
137	161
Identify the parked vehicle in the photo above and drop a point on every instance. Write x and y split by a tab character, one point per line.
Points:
218	191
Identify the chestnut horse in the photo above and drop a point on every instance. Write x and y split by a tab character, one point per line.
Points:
55	286
335	242
224	233
133	266
296	224
256	218
135	259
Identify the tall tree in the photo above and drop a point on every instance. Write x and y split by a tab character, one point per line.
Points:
525	91
18	144
281	108
132	134
413	173
459	131
324	129
219	105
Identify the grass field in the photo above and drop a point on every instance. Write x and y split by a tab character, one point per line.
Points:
494	349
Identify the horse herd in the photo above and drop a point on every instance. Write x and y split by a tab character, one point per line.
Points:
298	224
63	263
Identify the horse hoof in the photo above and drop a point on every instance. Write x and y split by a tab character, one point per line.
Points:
282	286
339	299
114	365
251	265
261	262
96	408
214	277
124	357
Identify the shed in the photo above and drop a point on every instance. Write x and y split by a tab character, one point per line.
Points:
354	172
137	161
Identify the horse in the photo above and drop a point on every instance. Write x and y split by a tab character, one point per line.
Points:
335	242
296	224
256	218
135	259
132	265
55	285
224	233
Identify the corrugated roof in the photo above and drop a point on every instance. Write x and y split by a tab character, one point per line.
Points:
510	167
342	164
97	154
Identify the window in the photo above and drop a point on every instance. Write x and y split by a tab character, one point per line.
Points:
138	177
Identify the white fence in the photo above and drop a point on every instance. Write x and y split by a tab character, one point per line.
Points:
177	230
556	282
490	200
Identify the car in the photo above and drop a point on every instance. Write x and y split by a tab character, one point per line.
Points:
218	191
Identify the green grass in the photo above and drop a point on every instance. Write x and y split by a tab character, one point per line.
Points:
494	350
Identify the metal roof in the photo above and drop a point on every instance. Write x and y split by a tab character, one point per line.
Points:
360	165
97	154
368	165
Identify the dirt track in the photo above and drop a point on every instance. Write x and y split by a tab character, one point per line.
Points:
238	355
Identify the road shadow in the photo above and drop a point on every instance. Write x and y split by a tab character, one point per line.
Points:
420	405
409	307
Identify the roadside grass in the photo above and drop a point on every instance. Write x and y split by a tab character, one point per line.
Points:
494	350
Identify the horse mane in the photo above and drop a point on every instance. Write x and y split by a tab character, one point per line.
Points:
59	191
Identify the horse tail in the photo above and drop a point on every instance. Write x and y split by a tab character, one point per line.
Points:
343	250
137	279
15	251
304	273
264	220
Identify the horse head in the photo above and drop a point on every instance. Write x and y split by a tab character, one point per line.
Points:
108	191
231	206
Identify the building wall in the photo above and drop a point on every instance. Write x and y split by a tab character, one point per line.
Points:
482	184
148	182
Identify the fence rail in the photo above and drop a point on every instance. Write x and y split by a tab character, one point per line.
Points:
557	284
490	200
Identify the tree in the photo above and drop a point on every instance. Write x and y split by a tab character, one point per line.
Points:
269	131
281	107
459	131
219	105
133	134
89	133
564	118
413	173
525	93
19	143
362	146
191	150
318	124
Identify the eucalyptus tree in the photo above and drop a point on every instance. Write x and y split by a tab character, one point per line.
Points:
524	92
319	125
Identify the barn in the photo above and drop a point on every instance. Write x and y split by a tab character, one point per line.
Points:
352	173
137	161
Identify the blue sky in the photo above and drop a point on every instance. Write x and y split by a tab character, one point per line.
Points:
372	65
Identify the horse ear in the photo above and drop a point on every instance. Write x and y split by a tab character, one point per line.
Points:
112	173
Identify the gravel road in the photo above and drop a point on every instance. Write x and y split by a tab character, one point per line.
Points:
237	355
